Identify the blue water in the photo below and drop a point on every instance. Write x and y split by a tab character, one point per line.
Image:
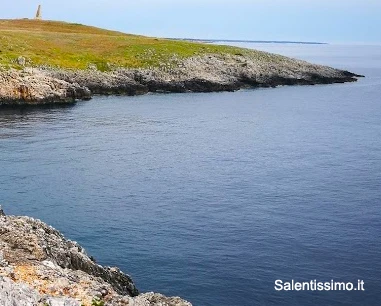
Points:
215	196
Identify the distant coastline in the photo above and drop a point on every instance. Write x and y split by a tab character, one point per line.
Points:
251	41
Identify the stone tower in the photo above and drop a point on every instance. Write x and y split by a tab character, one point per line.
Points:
38	13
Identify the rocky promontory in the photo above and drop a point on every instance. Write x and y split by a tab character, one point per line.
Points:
206	73
45	62
40	267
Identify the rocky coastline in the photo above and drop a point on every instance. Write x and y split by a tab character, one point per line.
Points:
40	267
204	73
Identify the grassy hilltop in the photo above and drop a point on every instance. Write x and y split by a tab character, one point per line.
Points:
69	45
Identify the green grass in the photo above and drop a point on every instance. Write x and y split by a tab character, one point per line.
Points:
76	46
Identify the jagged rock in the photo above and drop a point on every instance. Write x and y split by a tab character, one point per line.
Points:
26	239
39	266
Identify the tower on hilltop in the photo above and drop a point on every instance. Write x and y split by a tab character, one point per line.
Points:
38	13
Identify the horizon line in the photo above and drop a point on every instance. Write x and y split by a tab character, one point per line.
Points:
251	41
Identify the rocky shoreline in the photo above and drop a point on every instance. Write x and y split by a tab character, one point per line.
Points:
39	267
206	73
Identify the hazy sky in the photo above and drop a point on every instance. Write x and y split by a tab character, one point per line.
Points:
302	20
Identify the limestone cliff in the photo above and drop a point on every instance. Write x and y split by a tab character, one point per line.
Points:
39	267
33	86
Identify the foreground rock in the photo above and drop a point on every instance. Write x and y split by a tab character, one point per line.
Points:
205	73
39	267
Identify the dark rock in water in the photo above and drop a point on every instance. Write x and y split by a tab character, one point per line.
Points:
38	265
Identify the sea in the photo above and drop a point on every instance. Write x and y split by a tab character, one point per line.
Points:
215	197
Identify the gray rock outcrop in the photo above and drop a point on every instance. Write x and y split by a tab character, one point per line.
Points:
38	266
206	73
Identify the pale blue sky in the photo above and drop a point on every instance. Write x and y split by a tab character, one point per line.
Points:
341	21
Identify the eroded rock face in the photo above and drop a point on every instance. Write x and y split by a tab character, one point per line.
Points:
205	73
38	266
33	86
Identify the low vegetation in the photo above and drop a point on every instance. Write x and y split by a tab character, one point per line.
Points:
68	45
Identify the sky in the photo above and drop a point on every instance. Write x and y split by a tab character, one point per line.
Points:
332	21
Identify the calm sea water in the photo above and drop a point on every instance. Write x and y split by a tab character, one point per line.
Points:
215	196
